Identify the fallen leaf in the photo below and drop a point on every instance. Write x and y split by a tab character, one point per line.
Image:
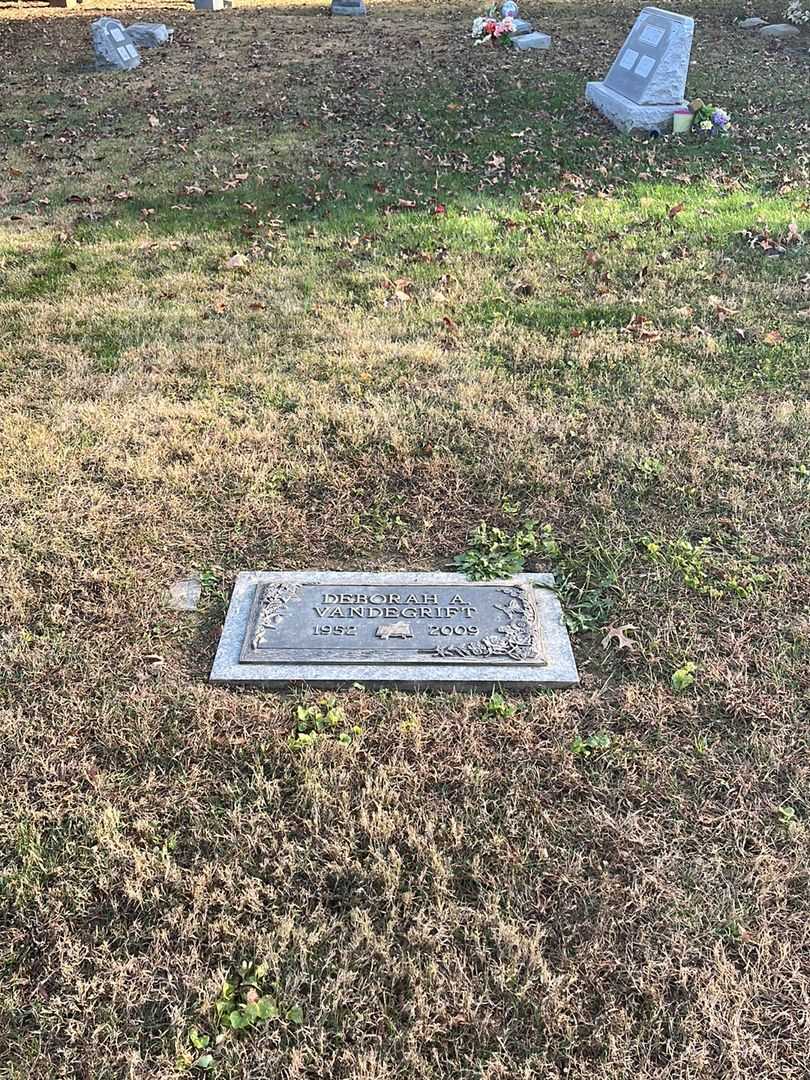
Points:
793	236
773	337
236	262
619	635
153	120
721	310
673	211
642	328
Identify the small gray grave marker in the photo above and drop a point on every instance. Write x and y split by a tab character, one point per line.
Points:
150	35
348	7
394	629
647	81
112	45
535	40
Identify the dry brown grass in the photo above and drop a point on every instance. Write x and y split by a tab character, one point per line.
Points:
456	894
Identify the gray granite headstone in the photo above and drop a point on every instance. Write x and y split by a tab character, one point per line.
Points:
150	35
393	629
535	40
348	7
113	46
647	81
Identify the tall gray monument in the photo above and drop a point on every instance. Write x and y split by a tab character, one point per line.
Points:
647	81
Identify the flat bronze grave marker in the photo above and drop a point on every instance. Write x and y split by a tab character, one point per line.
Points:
393	629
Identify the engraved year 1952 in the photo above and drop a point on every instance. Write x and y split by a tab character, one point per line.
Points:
326	629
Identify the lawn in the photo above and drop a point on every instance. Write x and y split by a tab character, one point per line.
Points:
308	293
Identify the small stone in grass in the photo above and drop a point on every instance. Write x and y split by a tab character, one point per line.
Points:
753	23
184	595
779	30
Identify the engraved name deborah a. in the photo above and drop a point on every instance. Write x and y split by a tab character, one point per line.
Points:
390	605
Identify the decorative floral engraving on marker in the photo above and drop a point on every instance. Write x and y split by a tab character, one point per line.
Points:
275	599
519	639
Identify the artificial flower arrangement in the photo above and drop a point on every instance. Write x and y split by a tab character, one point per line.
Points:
797	13
709	120
490	30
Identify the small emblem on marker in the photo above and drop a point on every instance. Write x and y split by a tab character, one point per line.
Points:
394	630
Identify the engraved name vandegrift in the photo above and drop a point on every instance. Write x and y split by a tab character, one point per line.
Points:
493	622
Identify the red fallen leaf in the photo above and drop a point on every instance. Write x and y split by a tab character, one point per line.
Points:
439	208
678	208
258	306
576	332
380	188
592	259
15	172
450	324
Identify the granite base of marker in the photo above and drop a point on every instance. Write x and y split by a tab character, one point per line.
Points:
626	115
558	671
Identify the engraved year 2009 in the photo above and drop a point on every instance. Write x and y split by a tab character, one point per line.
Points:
446	631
